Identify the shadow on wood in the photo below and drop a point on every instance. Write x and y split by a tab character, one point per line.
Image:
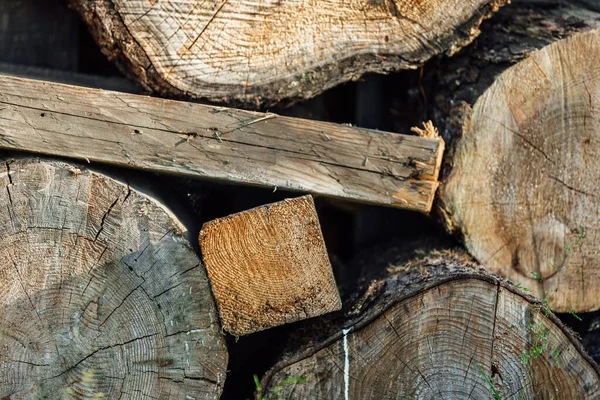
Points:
434	325
261	53
101	294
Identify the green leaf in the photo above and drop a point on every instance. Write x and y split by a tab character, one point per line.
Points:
257	384
496	394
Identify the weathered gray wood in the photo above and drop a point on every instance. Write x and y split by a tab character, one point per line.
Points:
101	295
434	326
219	143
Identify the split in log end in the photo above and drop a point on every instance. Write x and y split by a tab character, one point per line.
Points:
101	294
178	48
525	175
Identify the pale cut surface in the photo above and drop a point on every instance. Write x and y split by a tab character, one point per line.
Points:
101	295
227	144
523	188
439	344
268	266
265	51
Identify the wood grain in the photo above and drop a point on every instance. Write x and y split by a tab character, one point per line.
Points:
524	183
437	327
219	143
268	266
258	52
101	295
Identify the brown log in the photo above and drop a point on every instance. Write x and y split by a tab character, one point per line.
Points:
207	142
268	266
261	53
434	325
101	295
521	186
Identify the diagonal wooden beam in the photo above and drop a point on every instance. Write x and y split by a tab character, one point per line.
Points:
219	143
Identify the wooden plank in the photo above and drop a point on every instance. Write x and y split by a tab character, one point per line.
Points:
268	266
219	143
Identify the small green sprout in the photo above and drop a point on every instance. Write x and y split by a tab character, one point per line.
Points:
258	387
275	393
522	288
490	384
537	276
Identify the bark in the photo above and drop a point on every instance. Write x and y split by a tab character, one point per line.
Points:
521	180
268	266
259	54
435	325
101	295
515	32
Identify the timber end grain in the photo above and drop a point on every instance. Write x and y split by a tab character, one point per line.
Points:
268	266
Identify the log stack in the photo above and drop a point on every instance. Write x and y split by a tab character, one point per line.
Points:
435	325
104	293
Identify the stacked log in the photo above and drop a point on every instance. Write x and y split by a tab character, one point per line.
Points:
435	325
101	295
259	53
521	179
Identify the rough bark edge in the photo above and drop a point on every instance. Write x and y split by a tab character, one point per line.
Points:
459	119
119	45
443	266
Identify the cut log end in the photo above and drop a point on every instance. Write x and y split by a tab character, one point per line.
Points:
268	266
525	177
442	328
100	293
227	51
